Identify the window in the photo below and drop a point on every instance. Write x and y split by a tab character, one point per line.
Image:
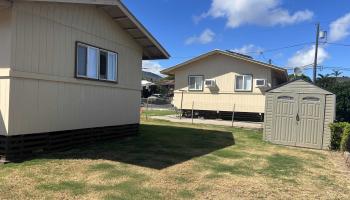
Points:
243	83
96	63
287	98
92	62
82	60
103	64
311	99
195	83
112	63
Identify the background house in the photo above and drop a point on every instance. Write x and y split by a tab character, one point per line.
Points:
221	81
69	65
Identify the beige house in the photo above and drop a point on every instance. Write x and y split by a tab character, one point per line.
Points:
223	81
69	65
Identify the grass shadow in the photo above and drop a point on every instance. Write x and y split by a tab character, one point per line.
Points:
155	147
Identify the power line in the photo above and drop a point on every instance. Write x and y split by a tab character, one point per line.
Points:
338	44
290	46
260	51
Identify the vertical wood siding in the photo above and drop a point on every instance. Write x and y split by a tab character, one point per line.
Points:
45	36
221	102
4	105
44	43
5	38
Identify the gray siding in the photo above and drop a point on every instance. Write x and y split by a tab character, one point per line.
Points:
328	119
268	116
300	86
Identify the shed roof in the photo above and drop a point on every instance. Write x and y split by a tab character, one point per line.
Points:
170	71
152	49
299	86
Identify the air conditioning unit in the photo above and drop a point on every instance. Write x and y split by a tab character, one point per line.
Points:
209	82
260	83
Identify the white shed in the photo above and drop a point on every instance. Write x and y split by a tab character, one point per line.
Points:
298	113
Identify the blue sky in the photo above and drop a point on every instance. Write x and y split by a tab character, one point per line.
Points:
188	28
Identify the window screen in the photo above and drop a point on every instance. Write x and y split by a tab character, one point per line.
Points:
243	83
81	60
195	82
112	66
92	62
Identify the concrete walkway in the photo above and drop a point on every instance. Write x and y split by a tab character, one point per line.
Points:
239	124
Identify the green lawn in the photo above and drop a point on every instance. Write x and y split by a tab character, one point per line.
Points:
180	161
157	112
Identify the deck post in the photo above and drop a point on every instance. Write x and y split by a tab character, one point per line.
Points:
233	113
147	109
192	111
182	97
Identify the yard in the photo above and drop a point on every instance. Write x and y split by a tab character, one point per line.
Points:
180	161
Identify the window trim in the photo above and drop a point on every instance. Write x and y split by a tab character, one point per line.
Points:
77	76
188	83
243	90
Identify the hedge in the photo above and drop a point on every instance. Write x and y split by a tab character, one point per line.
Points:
345	139
340	136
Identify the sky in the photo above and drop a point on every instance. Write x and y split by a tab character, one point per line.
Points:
281	30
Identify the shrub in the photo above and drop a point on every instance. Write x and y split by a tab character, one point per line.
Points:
345	139
337	130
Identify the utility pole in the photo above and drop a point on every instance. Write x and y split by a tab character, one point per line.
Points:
316	51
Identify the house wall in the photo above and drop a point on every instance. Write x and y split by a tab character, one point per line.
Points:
44	94
5	39
223	69
5	61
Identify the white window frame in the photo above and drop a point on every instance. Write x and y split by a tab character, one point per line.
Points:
98	78
244	78
195	76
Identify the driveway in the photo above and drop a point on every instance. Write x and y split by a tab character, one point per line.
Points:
239	124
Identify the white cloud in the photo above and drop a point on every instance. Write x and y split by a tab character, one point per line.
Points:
306	56
248	49
340	28
152	66
205	37
258	12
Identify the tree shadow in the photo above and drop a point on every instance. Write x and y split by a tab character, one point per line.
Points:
156	147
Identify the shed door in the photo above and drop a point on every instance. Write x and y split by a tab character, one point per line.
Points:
298	120
310	119
285	109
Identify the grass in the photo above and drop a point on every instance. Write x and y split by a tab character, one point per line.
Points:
180	161
157	112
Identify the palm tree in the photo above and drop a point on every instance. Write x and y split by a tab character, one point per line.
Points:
336	73
325	81
321	76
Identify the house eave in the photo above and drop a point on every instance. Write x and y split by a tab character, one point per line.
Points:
171	70
152	49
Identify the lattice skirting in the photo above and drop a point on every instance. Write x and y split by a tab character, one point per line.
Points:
21	147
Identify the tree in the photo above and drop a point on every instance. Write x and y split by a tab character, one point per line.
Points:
325	81
303	77
342	92
336	73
